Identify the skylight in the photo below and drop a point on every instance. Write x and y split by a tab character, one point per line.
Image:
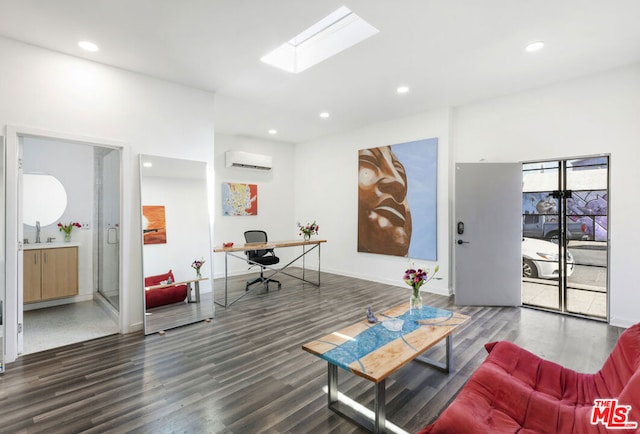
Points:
329	36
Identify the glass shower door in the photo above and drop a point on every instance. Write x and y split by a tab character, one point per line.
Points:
108	226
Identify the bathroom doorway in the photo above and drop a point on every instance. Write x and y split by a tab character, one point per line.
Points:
70	274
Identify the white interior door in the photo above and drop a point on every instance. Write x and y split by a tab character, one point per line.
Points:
488	241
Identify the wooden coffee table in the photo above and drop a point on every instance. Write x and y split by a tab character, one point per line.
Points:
375	351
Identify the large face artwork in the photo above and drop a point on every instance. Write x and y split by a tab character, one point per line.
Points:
384	219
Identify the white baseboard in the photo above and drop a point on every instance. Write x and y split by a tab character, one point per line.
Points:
393	282
58	302
135	327
622	322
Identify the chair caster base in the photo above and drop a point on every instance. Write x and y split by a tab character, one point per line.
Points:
265	282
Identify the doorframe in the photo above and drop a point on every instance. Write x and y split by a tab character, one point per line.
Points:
13	222
608	309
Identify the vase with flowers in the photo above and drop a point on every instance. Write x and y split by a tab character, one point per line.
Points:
67	229
197	264
308	230
415	278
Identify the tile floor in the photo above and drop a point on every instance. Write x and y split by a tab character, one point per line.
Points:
67	324
590	303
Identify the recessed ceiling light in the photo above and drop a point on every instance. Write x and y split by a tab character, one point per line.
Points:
534	46
147	164
402	89
272	131
88	46
324	115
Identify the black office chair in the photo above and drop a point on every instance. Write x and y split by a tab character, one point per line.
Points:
261	257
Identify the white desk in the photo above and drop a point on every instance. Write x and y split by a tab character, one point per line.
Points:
307	246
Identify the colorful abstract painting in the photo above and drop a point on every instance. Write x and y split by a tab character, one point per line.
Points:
154	225
397	198
239	199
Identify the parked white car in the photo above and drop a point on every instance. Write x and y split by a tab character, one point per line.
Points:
540	259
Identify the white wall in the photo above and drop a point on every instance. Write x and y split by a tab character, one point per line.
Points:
326	190
73	165
275	198
58	93
592	115
187	225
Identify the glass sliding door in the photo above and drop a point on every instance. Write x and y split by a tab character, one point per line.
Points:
586	289
564	226
540	231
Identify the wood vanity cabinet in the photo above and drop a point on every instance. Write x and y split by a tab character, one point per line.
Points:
50	273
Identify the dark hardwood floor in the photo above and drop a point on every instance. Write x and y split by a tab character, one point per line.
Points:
245	371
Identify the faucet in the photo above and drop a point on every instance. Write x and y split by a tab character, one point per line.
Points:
37	231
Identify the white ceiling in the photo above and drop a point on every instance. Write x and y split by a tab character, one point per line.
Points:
450	52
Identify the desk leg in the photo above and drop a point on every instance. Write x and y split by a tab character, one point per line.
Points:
318	264
226	282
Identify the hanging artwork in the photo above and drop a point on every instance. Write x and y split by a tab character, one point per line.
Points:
397	190
154	226
239	199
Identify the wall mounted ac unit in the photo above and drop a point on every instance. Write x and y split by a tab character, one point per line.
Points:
247	160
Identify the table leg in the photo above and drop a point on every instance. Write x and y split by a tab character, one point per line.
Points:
196	289
379	408
447	366
332	386
378	425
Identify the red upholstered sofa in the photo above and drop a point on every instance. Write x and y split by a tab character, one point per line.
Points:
515	391
161	296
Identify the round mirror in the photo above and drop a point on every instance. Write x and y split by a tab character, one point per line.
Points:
44	199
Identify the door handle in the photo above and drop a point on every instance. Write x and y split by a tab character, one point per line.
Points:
463	242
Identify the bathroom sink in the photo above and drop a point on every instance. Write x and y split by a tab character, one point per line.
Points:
52	245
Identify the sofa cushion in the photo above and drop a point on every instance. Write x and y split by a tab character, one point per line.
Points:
159	279
516	391
161	296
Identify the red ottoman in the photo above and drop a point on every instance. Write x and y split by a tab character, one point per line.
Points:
161	296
